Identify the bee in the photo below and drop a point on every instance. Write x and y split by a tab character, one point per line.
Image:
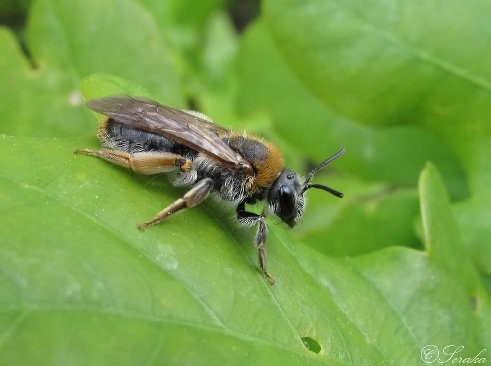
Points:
151	138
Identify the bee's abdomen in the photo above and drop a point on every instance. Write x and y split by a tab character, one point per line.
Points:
118	136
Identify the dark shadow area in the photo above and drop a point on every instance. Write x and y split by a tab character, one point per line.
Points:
13	14
243	12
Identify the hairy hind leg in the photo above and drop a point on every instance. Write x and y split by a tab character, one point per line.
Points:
148	162
193	197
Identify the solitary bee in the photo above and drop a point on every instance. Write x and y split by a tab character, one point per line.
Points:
151	138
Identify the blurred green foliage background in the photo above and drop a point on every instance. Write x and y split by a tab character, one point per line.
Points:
404	260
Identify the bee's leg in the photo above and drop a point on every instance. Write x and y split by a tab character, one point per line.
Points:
248	219
148	162
193	197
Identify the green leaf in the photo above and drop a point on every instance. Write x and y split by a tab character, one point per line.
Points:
367	223
180	13
443	244
86	37
388	64
27	96
441	233
101	85
181	22
68	41
81	285
389	155
412	63
474	215
214	84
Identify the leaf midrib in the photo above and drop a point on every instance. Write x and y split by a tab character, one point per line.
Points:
421	54
427	57
27	308
59	200
221	326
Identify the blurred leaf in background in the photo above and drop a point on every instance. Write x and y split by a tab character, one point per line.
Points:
408	63
371	279
67	41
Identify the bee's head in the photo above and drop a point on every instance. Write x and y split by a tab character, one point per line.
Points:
286	195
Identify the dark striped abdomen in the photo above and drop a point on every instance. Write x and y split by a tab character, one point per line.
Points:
118	136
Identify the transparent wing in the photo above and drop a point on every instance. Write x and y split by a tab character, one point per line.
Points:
187	129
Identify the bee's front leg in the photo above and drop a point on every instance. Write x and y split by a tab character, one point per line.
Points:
248	219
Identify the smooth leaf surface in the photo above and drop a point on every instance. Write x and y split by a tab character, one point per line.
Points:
181	21
27	96
409	63
444	245
76	271
87	37
396	53
441	233
79	284
68	41
376	218
367	223
388	155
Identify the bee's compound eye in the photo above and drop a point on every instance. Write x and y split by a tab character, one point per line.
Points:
287	202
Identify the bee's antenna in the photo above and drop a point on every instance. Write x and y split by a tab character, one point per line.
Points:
324	188
314	171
